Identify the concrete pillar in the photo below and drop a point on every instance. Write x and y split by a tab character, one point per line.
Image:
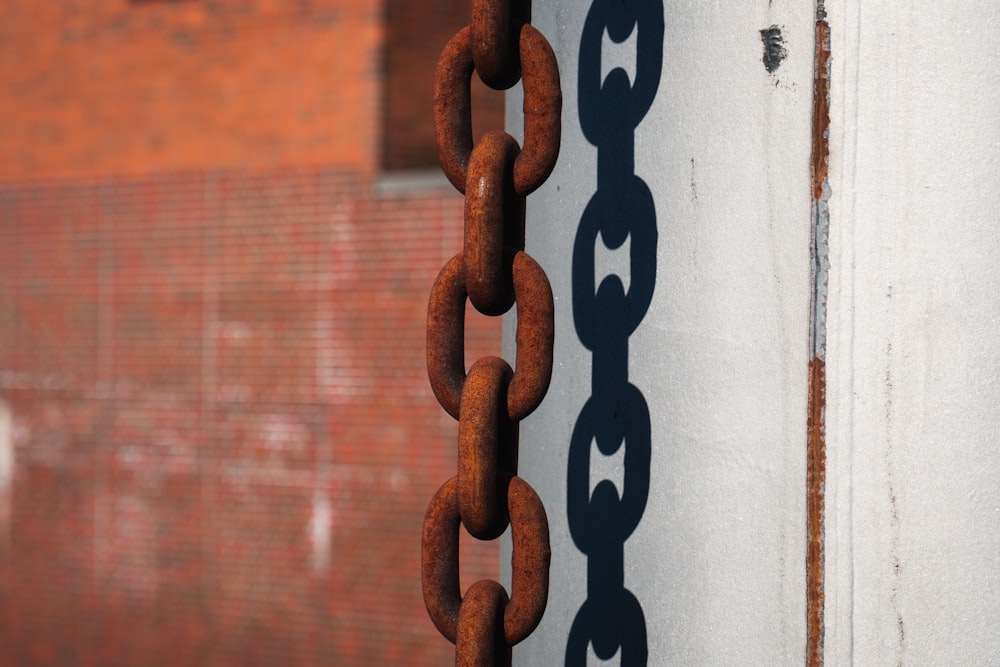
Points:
702	262
913	413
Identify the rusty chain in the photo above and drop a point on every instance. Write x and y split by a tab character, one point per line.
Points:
493	272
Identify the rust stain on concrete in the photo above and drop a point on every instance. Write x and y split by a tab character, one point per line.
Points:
816	427
815	480
821	108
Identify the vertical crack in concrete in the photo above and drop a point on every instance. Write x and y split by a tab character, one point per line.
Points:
816	426
894	527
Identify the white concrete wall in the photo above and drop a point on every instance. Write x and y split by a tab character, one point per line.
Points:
913	490
717	562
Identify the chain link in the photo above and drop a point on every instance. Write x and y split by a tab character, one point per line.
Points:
542	109
494	273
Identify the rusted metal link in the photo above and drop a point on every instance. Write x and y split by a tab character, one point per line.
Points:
484	431
494	43
542	110
439	560
535	336
529	561
495	29
480	638
494	224
446	335
453	108
529	586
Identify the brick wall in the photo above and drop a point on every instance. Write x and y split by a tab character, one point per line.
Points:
140	86
222	437
96	87
217	439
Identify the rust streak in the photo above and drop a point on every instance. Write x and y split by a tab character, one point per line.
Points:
815	480
816	444
821	110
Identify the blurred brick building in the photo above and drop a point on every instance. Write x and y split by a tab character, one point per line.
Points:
216	435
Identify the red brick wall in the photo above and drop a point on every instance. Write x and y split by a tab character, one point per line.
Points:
95	87
222	434
217	439
140	86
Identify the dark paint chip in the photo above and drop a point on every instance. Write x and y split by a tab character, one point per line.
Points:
774	48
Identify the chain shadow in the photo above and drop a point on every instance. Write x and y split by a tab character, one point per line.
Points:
616	414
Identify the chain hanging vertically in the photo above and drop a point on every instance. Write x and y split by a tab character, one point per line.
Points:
493	272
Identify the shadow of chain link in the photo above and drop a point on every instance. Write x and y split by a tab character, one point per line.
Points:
616	415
